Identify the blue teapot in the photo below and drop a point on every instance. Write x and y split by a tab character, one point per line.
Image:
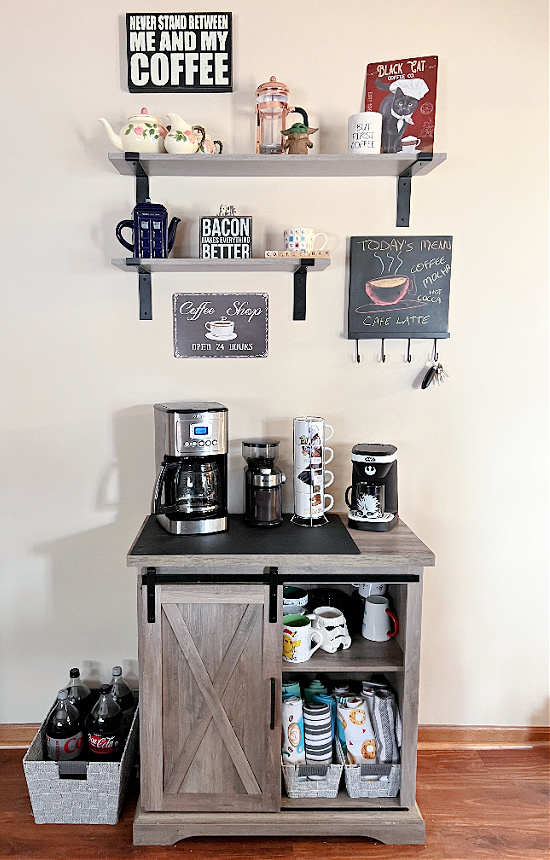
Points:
152	236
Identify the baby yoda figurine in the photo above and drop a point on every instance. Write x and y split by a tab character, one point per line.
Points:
297	138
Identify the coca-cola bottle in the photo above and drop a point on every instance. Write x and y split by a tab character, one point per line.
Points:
64	738
79	694
104	728
123	696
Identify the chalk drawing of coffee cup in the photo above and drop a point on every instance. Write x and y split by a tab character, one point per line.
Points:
387	291
222	329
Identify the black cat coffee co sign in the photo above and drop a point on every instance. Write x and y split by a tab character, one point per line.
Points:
399	286
220	325
174	53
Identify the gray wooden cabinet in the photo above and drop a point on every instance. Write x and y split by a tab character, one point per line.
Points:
210	636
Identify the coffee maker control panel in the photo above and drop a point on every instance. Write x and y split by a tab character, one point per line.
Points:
203	435
190	429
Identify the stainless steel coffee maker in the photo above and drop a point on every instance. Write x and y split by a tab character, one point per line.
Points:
191	442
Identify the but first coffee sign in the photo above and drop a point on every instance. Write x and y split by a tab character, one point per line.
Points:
188	53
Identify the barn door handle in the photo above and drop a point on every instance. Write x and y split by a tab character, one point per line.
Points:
151	583
272	720
273	577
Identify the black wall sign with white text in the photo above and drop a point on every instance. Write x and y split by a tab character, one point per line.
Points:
175	53
220	325
399	286
225	237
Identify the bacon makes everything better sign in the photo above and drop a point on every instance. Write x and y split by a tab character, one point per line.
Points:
189	53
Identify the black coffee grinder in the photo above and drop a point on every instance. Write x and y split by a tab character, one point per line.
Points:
263	483
372	497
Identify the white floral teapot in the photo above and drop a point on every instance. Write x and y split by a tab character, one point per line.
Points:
142	133
183	138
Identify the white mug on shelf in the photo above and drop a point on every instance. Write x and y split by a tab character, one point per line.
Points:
333	625
364	133
302	239
378	619
368	588
298	634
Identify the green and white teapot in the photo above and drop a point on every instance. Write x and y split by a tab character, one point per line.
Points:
142	133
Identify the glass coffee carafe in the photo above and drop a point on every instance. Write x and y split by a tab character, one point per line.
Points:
189	486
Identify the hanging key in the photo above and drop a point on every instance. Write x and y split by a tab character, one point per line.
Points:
441	373
430	375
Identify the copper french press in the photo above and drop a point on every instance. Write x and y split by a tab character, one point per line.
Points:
272	109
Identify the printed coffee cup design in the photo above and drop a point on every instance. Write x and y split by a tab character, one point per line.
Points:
409	144
220	329
387	291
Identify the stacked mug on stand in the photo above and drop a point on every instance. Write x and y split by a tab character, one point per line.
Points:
311	478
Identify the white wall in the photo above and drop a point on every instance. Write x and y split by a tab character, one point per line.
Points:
81	372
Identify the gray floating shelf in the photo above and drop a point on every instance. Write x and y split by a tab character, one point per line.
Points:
163	164
185	264
142	166
146	267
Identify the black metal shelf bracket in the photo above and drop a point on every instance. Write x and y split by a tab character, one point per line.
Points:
142	179
404	188
300	284
144	288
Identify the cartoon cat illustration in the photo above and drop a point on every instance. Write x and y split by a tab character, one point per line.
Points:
397	109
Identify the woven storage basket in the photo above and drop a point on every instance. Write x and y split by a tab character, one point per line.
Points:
358	786
298	784
95	793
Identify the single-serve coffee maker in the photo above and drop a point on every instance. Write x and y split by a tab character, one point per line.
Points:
372	496
263	483
191	442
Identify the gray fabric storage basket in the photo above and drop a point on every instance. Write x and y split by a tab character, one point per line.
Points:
95	799
299	785
358	786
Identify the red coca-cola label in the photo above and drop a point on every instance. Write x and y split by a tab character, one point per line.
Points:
102	744
62	749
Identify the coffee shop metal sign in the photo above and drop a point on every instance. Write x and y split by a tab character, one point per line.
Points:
220	325
174	53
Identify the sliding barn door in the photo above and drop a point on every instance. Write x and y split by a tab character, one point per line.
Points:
209	700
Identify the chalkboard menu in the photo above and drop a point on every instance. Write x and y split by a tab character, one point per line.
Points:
399	286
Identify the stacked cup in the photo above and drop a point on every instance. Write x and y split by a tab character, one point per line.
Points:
311	455
318	733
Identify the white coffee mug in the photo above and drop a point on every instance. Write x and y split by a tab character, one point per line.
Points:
293	596
378	619
312	505
333	626
298	635
368	588
302	239
364	133
220	328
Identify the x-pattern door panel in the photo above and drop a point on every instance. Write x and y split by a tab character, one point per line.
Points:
217	747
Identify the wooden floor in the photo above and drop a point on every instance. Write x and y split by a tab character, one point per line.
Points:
477	803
